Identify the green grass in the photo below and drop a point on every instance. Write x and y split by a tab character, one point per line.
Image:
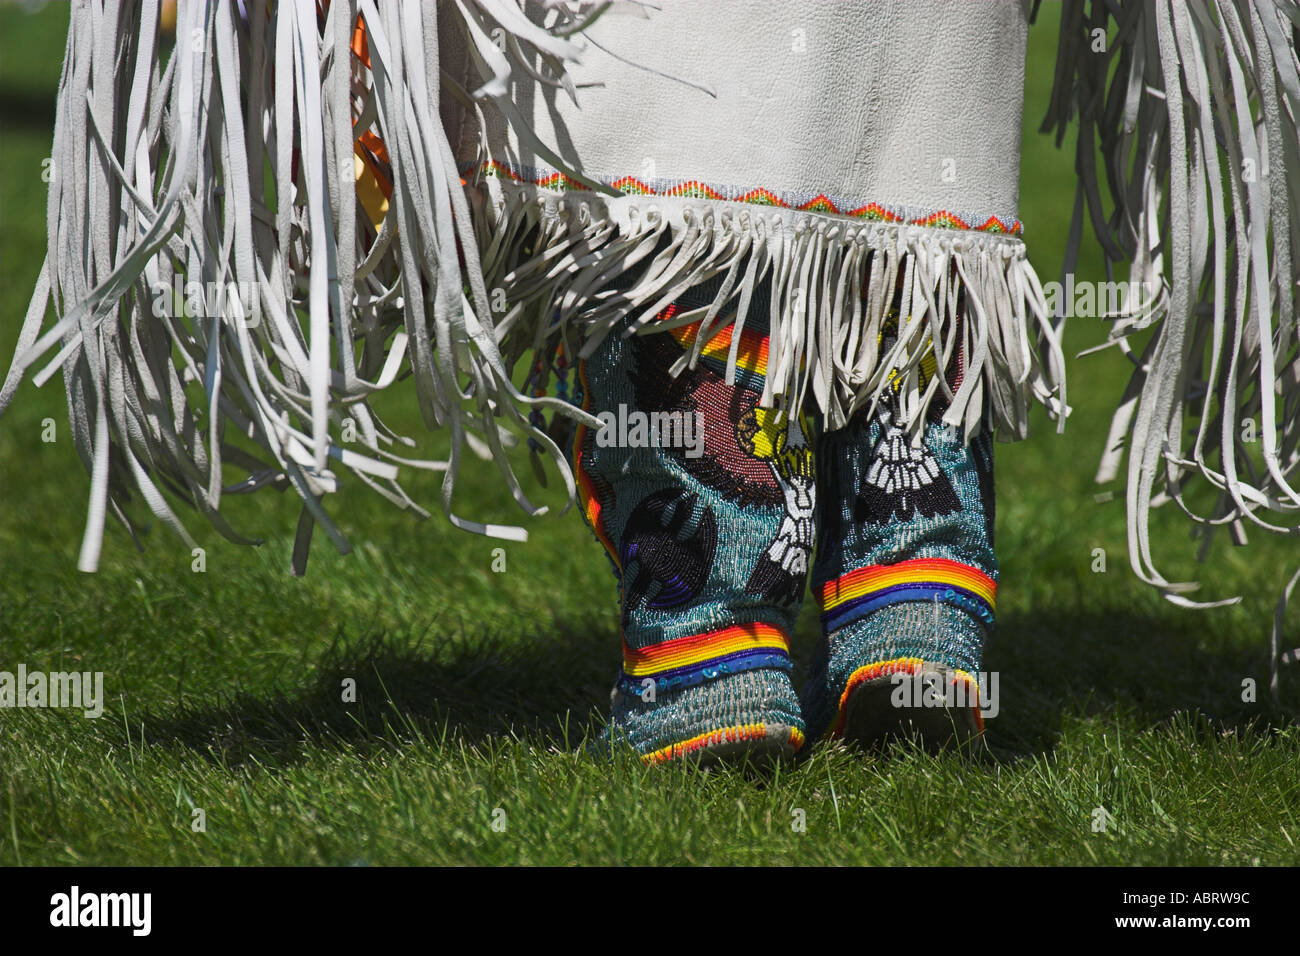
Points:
475	689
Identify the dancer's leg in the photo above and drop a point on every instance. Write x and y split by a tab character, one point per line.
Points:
710	540
906	576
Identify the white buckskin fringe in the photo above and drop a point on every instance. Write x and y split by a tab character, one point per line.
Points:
1198	129
1199	132
560	258
159	178
160	181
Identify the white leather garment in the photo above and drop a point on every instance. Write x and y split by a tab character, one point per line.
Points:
818	143
906	103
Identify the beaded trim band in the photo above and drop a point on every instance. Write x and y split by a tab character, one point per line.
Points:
591	506
900	665
751	350
686	661
858	593
693	189
726	735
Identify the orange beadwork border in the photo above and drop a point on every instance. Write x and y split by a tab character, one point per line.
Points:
693	189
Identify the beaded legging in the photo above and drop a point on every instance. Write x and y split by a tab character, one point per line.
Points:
707	507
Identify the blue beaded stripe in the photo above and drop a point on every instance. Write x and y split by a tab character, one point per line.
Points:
709	670
950	594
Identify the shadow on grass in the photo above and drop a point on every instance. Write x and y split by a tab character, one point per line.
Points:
548	690
553	689
1112	661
